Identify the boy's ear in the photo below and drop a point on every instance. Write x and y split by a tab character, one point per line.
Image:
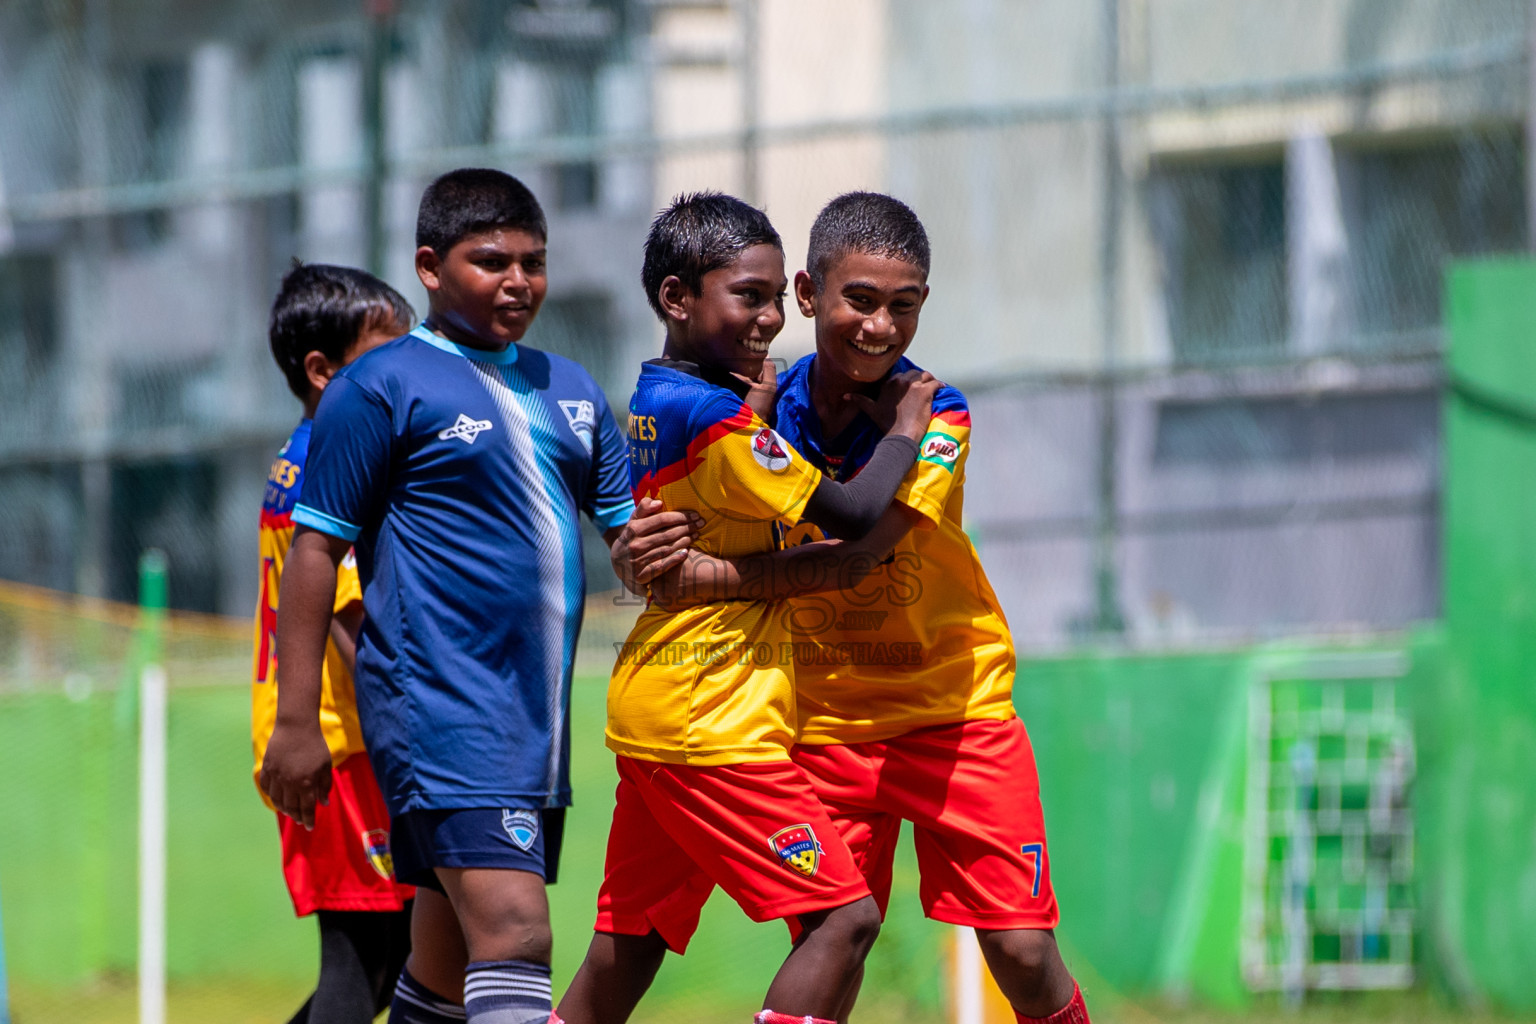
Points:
805	293
319	369
673	296
428	267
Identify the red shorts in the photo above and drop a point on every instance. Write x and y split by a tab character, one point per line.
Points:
344	864
755	830
973	797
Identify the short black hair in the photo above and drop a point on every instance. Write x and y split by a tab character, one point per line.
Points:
867	222
700	232
472	201
323	308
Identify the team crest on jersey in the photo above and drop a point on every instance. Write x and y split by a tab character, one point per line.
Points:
798	848
939	448
464	429
522	827
770	451
582	416
376	846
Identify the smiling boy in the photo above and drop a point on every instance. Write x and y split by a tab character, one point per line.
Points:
456	461
701	703
926	734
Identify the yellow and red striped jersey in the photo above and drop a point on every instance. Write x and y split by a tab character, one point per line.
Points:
338	705
709	685
922	640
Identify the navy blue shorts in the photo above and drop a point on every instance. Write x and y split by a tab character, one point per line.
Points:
476	837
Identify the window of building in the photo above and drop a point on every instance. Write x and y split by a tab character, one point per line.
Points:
166	505
28	325
160	113
1404	208
1411	207
574	108
1221	234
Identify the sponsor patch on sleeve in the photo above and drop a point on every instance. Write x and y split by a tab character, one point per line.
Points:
770	451
939	448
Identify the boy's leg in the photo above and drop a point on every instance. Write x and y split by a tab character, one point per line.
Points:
972	792
492	865
354	947
822	970
871	838
617	971
505	917
650	900
430	989
1029	971
758	831
438	954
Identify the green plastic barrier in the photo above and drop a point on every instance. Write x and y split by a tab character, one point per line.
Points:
1479	805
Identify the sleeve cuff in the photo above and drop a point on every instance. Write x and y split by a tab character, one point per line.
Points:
303	515
613	515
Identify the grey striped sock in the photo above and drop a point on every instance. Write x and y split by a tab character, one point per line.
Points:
507	992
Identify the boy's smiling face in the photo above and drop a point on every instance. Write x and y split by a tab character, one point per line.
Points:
866	313
488	288
733	320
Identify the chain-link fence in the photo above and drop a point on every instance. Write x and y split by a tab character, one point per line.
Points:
1130	204
1187	262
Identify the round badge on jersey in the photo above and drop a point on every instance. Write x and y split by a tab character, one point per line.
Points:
770	451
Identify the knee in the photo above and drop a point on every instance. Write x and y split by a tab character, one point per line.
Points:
520	940
857	924
1031	954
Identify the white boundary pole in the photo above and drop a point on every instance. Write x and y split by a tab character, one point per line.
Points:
152	698
969	1005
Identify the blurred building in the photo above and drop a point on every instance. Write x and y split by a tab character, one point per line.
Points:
1188	262
161	166
1187	255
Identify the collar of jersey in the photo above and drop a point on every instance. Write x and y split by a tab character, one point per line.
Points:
796	419
708	374
506	357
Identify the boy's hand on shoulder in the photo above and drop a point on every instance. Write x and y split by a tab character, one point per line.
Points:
763	391
651	543
905	405
296	771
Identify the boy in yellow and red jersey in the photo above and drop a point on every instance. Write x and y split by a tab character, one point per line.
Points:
904	681
324	317
701	704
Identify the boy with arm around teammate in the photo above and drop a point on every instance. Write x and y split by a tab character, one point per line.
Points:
928	697
700	708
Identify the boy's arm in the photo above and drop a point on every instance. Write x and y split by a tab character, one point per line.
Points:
852	510
778	575
296	771
345	627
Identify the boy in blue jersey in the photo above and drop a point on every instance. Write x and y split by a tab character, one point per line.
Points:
456	461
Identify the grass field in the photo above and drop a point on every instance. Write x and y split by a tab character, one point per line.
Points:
237	954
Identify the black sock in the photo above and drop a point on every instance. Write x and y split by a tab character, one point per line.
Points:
355	948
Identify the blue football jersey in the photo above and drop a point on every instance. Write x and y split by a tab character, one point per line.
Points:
458	475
